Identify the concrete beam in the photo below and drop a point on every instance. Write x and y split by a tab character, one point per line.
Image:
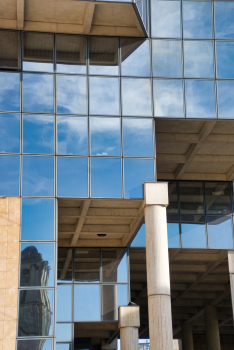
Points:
20	14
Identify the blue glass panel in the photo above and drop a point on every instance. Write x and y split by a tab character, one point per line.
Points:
71	94
118	257
106	178
64	332
38	176
105	136
167	58
122	295
198	59
42	344
9	133
111	303
197	19
37	265
168	98
104	96
136	97
72	135
37	219
225	58
72	177
200	99
63	346
87	302
224	24
165	19
173	231
138	137
9	91
139	240
9	175
220	233
225	99
38	134
193	231
137	171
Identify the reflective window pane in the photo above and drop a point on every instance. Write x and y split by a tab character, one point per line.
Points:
72	177
165	19
200	99
71	54
9	49
64	332
42	344
38	52
193	231
64	304
104	96
173	231
71	94
64	272
225	58
168	98
225	99
173	197
198	59
9	91
31	303
105	136
106	177
167	58
136	97
38	134
72	135
9	175
218	197
139	240
224	14
135	57
37	265
197	19
113	296
37	219
38	93
191	197
38	176
9	133
87	265
137	171
63	346
103	56
114	265
138	137
87	302
220	232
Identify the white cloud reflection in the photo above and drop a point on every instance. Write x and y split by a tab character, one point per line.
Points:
165	21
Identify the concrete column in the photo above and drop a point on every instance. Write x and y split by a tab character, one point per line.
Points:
231	276
212	328
129	322
158	277
187	336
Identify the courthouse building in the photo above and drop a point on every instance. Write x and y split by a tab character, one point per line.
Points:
116	174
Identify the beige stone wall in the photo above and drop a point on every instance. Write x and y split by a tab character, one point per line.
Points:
9	270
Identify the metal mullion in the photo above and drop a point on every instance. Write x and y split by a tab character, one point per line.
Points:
179	214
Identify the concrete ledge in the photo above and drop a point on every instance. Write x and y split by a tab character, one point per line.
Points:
129	316
156	193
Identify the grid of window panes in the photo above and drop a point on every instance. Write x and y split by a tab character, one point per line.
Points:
199	215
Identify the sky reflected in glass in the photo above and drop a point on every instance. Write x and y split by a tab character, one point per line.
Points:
198	59
225	99
64	305
9	175
220	232
139	240
225	59
9	91
64	332
165	19
9	133
173	231
224	24
87	303
193	232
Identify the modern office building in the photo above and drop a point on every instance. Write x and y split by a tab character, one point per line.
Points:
116	174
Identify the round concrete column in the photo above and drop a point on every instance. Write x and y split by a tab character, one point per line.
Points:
212	328
129	322
187	336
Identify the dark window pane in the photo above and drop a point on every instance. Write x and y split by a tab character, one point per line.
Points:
38	134
218	197
198	59
38	52
72	135
135	57
139	240
38	176
103	56
225	99
165	19
105	136
104	96
87	265
193	231
191	197
71	94
167	58
9	91
106	177
38	93
37	265
72	177
9	175
71	54
64	265
173	231
64	332
37	219
113	296
42	344
220	232
114	265
173	198
137	171
225	58
33	303
9	49
87	303
224	14
9	133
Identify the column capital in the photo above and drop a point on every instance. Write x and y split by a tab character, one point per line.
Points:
156	193
231	261
129	316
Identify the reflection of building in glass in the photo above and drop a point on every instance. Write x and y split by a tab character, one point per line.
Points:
31	344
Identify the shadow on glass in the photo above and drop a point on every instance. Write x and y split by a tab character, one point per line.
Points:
218	197
191	197
114	265
113	296
87	265
9	49
64	272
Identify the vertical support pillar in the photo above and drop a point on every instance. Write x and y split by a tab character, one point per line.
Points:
129	322
187	336
231	276
212	328
157	262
